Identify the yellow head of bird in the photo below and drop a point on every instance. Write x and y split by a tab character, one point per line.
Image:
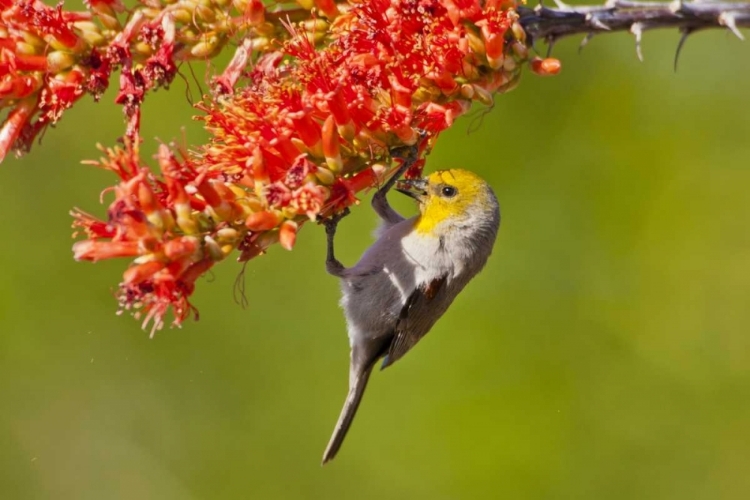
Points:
449	196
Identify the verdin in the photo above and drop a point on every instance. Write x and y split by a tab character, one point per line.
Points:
407	279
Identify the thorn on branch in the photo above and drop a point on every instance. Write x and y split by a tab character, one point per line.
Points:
686	32
550	43
586	40
729	19
595	22
637	30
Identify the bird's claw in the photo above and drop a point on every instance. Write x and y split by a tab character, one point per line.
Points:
409	153
405	152
331	222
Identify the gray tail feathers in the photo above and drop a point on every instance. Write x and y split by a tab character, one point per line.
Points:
356	391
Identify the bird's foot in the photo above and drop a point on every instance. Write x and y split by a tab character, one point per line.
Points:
332	222
409	153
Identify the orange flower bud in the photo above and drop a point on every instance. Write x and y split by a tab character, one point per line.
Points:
262	221
288	234
213	248
545	67
180	248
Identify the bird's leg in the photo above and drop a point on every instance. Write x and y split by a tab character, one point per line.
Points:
333	266
409	154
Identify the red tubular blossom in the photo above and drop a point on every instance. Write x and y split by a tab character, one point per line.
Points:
19	87
59	94
225	83
93	227
160	68
99	250
22	62
132	89
14	124
142	272
100	69
262	221
180	248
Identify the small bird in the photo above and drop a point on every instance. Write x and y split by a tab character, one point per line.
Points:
407	279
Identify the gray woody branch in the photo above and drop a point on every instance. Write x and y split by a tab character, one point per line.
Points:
550	24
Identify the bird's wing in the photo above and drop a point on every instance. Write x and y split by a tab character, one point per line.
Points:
414	321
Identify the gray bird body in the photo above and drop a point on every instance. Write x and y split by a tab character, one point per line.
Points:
405	282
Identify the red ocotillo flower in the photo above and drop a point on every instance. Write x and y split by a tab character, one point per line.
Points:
315	125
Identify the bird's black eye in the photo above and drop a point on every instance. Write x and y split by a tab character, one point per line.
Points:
448	191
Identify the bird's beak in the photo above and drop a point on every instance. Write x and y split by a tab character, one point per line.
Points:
416	188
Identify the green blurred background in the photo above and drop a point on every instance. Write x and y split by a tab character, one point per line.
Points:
603	353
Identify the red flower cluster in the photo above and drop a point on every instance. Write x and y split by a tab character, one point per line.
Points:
38	76
50	57
174	226
315	126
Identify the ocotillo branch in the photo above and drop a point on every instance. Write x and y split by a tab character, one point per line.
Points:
550	24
